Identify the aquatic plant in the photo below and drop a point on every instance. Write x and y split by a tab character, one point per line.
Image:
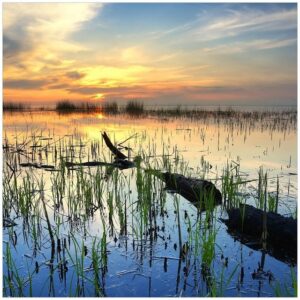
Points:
65	105
134	108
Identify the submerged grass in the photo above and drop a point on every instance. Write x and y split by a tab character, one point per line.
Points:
129	207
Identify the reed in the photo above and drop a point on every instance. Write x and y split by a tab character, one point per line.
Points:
65	106
134	108
129	207
11	106
110	108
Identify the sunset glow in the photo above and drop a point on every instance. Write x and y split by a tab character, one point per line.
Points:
160	53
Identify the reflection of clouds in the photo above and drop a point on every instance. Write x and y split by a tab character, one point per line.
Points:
83	124
170	134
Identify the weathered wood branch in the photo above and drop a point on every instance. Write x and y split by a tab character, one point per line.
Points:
200	193
247	223
36	165
118	154
87	164
8	223
119	163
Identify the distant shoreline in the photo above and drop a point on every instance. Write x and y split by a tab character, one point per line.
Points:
119	108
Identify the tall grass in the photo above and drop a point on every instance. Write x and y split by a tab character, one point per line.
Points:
134	108
11	106
65	105
110	108
128	207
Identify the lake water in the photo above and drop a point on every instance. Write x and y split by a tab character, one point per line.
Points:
96	213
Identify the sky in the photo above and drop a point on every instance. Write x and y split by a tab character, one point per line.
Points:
172	53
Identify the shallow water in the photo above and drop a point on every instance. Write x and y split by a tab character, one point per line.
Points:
145	259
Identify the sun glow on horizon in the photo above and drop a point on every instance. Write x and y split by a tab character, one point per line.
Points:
203	53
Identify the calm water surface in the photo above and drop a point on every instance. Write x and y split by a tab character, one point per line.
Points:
139	264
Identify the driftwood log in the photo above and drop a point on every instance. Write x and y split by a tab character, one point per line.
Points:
117	153
36	165
8	223
118	163
246	223
199	192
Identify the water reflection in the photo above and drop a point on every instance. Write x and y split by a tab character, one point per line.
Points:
120	233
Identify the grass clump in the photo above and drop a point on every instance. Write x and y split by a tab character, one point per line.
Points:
87	107
134	108
110	108
65	106
10	106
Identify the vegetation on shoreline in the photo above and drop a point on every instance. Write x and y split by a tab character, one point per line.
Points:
11	106
136	108
46	197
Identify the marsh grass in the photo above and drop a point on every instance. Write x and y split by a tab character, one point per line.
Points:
231	185
134	108
97	262
13	281
131	205
11	106
65	106
110	108
289	289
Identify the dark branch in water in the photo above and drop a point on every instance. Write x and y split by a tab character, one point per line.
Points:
35	165
246	222
120	159
118	154
201	193
121	164
8	223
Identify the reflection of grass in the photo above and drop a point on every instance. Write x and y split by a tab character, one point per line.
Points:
96	262
288	290
76	197
135	107
12	280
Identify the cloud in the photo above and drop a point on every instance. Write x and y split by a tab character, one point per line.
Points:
237	22
41	41
58	86
74	75
91	90
239	47
52	19
33	30
11	46
146	90
24	84
173	30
